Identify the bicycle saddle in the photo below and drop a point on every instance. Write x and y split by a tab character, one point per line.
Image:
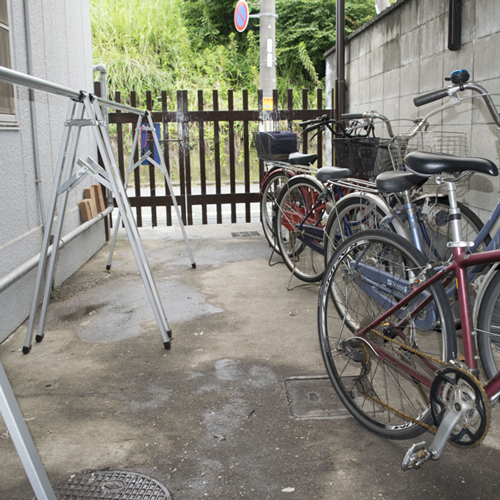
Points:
302	158
428	164
326	174
396	181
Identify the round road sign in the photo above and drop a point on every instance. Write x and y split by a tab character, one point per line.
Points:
241	15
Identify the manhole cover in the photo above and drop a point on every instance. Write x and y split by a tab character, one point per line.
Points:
111	485
313	397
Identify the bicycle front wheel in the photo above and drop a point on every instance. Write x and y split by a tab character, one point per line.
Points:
298	226
488	328
375	375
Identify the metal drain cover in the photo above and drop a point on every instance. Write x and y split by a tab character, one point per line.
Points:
245	234
111	485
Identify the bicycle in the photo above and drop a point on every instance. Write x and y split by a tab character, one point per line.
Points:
278	150
391	353
314	215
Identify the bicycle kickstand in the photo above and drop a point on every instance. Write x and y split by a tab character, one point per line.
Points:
419	453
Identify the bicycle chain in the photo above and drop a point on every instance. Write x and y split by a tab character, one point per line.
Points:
440	362
414	351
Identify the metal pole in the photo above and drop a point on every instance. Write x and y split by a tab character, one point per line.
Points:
17	78
340	56
267	51
11	413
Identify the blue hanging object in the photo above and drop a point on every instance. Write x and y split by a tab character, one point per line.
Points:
144	144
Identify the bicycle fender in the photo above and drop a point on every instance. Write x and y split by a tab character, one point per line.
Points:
480	291
380	203
275	170
320	185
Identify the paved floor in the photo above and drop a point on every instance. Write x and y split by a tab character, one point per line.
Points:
238	408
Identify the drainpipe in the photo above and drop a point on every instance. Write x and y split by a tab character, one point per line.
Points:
10	278
104	89
104	94
340	56
34	132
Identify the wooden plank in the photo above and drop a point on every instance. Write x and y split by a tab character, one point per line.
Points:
137	176
232	157
218	190
166	151
246	156
152	168
203	172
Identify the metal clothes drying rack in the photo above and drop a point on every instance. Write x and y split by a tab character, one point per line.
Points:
160	166
84	110
23	442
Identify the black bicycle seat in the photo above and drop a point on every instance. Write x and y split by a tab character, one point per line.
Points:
302	158
326	174
396	181
428	164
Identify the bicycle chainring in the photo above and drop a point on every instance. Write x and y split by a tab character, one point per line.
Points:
456	386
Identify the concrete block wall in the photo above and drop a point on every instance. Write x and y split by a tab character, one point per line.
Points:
403	53
61	53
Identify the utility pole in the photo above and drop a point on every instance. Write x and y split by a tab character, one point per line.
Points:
267	51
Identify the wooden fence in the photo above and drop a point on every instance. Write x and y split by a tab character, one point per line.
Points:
209	154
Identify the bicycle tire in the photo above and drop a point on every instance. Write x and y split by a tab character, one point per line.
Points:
357	214
344	307
292	206
488	327
270	189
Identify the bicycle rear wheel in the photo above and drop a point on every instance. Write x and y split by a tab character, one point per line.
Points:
298	226
350	216
270	190
436	238
368	274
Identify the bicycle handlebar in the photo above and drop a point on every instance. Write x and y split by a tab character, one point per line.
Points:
430	97
459	79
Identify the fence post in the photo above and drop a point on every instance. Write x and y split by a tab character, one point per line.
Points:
166	156
180	131
203	171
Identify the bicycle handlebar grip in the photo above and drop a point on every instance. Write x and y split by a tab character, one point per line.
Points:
430	97
352	116
312	127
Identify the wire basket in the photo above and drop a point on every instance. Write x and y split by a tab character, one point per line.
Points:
451	143
275	146
365	157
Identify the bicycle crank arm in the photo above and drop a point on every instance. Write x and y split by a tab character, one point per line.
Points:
418	453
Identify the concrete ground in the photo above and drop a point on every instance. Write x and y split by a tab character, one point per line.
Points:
238	408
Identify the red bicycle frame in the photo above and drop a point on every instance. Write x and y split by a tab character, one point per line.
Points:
461	262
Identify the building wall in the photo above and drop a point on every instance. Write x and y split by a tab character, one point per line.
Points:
61	53
403	53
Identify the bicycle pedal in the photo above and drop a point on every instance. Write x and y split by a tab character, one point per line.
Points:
416	456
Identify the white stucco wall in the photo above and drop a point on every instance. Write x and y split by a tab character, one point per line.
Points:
403	53
61	53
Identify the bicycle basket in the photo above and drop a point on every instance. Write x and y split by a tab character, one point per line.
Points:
365	157
275	146
451	143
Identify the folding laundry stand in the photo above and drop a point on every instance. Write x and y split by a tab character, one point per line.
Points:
85	110
23	442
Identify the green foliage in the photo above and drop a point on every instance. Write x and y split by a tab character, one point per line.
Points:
358	13
192	44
